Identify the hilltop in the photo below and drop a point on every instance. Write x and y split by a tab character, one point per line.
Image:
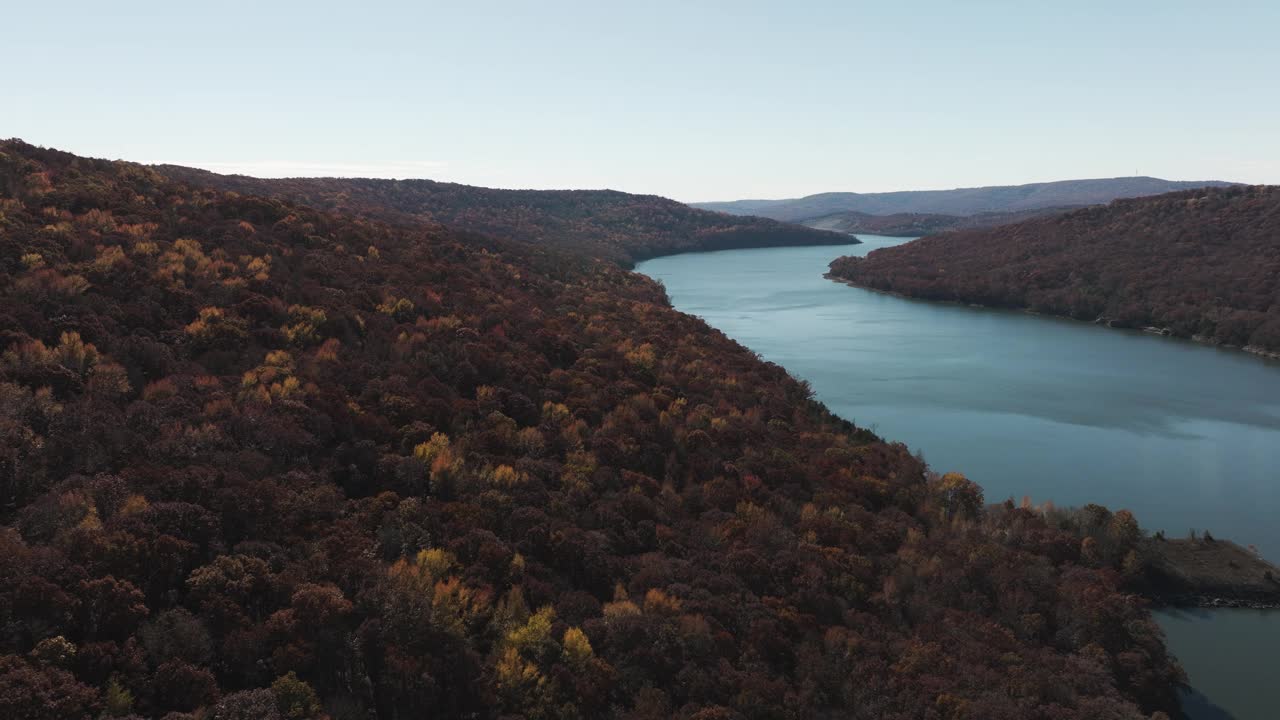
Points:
263	460
616	225
1199	264
962	201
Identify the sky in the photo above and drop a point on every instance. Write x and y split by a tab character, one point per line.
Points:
689	99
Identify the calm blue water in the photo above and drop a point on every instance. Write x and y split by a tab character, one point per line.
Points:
1184	435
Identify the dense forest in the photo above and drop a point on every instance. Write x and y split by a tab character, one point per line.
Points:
264	461
916	224
1202	264
615	225
961	201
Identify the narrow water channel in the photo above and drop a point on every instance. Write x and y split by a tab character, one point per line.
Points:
1184	435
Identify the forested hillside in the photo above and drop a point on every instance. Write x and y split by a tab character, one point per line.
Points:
263	461
1202	263
961	201
610	224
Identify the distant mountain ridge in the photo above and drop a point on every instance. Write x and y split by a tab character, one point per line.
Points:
918	224
604	223
961	201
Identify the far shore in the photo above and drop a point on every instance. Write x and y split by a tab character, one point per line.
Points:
1166	332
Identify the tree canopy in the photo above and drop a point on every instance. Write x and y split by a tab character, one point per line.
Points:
1200	264
260	460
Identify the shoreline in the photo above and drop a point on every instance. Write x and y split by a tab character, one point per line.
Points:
1208	602
630	260
1164	332
1183	574
1208	573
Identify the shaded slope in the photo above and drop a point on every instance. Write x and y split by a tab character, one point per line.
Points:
256	454
961	201
1203	263
617	225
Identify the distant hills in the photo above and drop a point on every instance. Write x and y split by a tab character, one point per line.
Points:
963	201
905	224
606	223
1203	264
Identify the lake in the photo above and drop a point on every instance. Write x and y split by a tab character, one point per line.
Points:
1186	436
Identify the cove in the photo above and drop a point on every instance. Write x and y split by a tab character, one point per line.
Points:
1184	435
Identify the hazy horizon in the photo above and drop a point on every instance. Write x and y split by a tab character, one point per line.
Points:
968	187
270	170
700	102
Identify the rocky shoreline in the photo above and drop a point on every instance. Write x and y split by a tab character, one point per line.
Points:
1209	573
1208	602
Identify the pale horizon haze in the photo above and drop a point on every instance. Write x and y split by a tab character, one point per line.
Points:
697	101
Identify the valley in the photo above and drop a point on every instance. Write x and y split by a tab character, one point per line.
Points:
1065	412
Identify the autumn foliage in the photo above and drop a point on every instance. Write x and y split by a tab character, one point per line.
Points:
1200	263
615	225
263	461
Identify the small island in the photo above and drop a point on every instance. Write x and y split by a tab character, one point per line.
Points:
1205	572
1197	571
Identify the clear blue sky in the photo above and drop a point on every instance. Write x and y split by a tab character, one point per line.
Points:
693	100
